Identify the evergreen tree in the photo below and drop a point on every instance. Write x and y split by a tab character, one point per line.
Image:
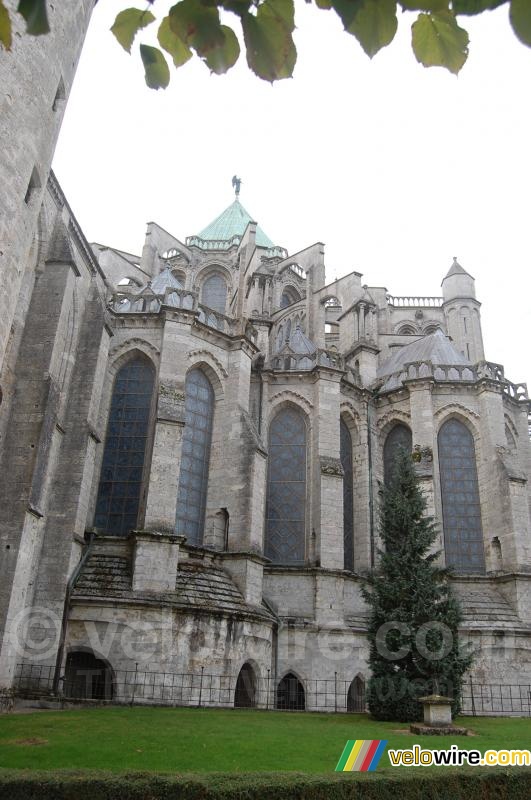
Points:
414	649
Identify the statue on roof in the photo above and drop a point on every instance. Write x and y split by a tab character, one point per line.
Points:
236	183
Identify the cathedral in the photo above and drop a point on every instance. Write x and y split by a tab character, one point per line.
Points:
193	440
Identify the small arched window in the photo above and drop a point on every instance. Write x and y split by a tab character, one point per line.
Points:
399	436
214	293
121	477
286	488
290	694
245	692
406	330
348	495
195	457
87	677
356	695
463	531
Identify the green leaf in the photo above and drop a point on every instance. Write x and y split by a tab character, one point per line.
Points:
34	12
471	7
372	22
197	25
438	41
128	23
425	5
173	44
220	59
284	10
155	66
271	52
5	27
520	16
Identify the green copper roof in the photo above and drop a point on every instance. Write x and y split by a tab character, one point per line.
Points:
232	223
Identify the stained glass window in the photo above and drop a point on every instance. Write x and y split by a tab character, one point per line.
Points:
195	457
122	466
399	436
463	533
286	488
214	294
348	495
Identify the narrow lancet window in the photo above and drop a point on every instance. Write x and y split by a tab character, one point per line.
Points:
463	532
348	495
286	489
121	477
195	457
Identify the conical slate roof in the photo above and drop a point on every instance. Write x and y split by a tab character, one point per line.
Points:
230	223
165	280
299	343
436	348
456	269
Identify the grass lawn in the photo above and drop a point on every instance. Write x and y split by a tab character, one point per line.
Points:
212	740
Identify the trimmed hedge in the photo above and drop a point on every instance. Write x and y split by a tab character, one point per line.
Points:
407	784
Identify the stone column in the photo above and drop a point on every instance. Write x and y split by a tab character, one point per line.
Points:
161	503
161	506
328	483
424	435
362	320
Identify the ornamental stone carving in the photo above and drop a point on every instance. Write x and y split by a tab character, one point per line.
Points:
331	466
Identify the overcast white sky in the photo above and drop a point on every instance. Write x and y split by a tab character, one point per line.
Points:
394	167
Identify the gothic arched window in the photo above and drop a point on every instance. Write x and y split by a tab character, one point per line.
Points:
399	436
195	457
348	495
214	293
289	296
120	487
463	532
286	488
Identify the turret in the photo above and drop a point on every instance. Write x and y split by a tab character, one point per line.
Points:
462	312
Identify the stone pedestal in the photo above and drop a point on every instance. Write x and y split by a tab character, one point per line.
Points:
437	718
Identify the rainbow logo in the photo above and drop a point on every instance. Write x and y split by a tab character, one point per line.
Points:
361	755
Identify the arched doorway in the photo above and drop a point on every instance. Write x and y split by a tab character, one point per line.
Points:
356	695
245	692
290	694
87	677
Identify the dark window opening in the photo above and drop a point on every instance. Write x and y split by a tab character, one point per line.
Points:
87	677
290	694
356	696
245	693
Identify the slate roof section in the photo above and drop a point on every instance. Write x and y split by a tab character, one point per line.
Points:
436	348
197	587
485	604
